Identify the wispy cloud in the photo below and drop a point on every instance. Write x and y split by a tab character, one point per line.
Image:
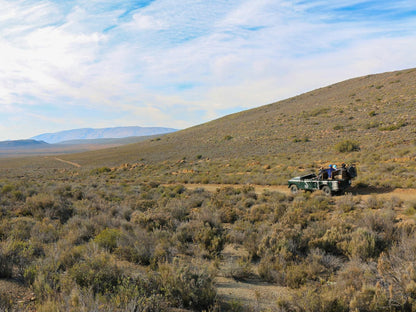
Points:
180	63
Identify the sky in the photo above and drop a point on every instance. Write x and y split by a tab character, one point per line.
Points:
168	63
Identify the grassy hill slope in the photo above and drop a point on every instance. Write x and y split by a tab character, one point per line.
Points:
375	113
374	110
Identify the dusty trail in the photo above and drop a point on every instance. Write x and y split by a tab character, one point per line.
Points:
68	162
403	194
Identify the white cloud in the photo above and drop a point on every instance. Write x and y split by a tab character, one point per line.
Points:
197	58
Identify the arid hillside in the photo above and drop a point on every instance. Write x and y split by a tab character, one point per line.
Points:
369	120
156	226
377	111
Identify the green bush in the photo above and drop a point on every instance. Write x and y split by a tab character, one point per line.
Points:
347	146
98	272
21	254
107	239
393	127
211	238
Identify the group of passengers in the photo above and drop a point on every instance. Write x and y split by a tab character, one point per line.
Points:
332	172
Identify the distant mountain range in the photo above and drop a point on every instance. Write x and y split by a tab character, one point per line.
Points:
22	144
103	133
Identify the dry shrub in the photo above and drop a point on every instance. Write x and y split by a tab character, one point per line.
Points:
6	267
46	231
239	269
397	268
187	286
362	245
137	246
98	271
211	238
45	205
347	203
271	269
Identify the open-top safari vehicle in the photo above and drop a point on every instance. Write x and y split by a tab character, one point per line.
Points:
339	181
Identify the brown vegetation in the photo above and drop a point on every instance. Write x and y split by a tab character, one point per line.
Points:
112	236
109	241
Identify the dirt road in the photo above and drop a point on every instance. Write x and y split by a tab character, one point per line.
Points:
68	162
403	194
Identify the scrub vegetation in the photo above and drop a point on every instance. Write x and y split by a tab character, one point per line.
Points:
105	241
121	230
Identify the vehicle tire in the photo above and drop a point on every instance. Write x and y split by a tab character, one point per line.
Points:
294	189
326	190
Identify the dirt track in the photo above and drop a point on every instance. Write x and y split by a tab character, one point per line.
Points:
68	162
403	194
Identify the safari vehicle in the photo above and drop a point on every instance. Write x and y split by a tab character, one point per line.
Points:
336	185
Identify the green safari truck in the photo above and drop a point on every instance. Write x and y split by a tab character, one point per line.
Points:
311	182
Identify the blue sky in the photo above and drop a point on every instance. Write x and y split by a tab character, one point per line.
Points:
75	64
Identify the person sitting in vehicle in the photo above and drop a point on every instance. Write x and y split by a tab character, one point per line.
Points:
344	172
335	172
329	171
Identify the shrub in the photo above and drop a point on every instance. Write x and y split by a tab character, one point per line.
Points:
22	254
271	270
295	276
393	127
372	124
45	205
6	268
211	238
7	189
239	270
137	247
187	286
362	244
98	272
347	146
6	302
107	239
101	170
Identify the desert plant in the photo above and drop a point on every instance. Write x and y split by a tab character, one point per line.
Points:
108	238
187	286
347	146
98	272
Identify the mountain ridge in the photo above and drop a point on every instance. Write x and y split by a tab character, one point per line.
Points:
101	133
22	144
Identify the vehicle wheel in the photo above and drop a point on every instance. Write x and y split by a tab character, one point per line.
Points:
294	189
327	190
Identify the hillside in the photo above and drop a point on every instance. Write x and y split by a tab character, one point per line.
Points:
301	133
27	148
103	133
375	112
140	227
22	144
362	109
